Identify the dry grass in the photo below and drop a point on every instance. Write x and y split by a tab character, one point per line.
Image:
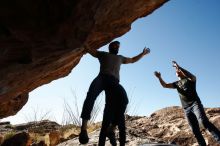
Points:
71	114
37	115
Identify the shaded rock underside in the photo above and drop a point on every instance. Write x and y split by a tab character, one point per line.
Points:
41	41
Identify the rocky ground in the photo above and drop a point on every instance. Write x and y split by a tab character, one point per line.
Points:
167	125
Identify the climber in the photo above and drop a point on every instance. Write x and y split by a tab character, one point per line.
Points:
107	78
192	106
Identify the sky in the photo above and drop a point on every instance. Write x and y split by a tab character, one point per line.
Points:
187	31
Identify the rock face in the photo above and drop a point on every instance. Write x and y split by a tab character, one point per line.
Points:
167	126
41	41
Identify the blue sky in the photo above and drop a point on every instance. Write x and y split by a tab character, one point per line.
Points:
183	30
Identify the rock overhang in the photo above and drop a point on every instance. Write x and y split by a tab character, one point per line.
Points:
41	41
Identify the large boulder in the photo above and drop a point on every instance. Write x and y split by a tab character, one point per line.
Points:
18	139
42	40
